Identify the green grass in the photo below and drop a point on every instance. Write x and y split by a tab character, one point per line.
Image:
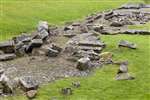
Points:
17	16
22	16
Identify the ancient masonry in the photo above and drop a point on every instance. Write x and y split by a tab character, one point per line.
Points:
75	49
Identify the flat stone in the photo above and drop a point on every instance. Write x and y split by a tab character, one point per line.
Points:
124	76
7	46
34	44
123	67
6	57
116	24
43	34
83	64
43	25
28	83
132	6
22	38
142	32
127	44
31	94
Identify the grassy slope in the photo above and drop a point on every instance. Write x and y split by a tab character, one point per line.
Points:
18	16
101	85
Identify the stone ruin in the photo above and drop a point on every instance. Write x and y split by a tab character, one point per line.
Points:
53	52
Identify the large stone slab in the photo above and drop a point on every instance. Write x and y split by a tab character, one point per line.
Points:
7	46
124	43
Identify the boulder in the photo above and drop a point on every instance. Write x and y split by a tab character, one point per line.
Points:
6	57
43	25
34	44
7	46
83	64
124	43
66	91
31	94
28	83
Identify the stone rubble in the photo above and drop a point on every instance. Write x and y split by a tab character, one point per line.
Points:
71	50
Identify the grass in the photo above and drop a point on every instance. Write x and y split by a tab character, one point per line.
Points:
22	16
143	27
17	16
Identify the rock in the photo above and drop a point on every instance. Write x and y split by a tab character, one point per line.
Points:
34	44
106	57
6	57
83	64
1	70
66	91
38	52
56	47
127	44
132	6
98	27
27	83
124	76
123	67
43	25
6	84
142	32
76	84
31	94
43	34
90	54
52	53
7	47
116	24
69	34
24	38
70	27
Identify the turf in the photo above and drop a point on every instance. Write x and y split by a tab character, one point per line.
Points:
22	16
17	16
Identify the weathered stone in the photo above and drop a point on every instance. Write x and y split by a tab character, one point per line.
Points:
132	6
83	64
28	83
31	94
56	47
98	27
38	52
142	32
127	44
25	38
106	57
123	67
49	51
5	57
116	24
69	33
91	54
43	34
76	84
124	76
7	47
34	44
43	25
66	91
6	84
68	28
